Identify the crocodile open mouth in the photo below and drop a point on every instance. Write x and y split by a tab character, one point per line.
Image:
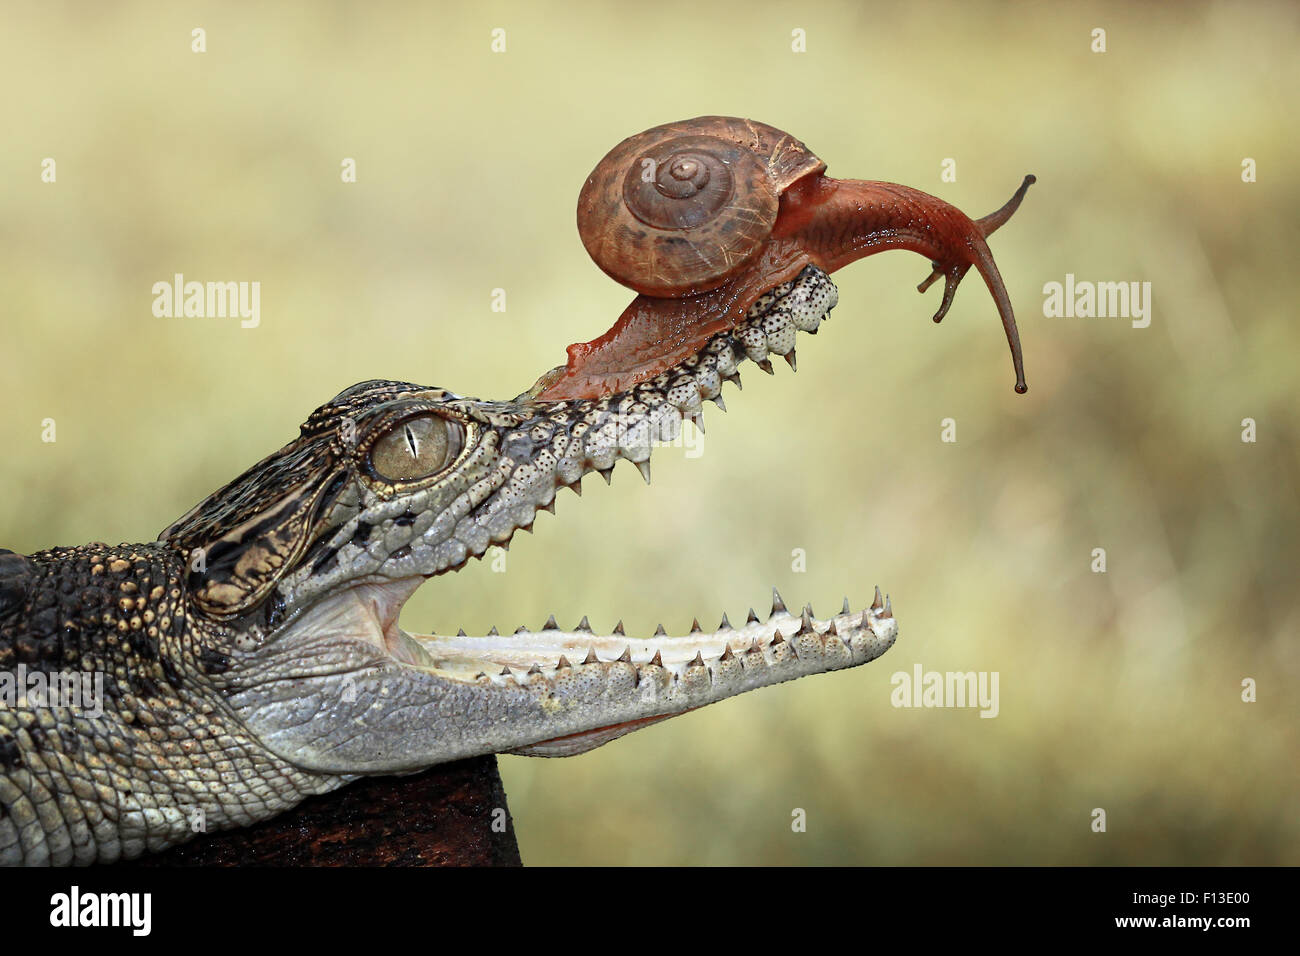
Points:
582	686
770	327
700	666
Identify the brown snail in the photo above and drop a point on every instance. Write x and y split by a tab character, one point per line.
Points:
703	216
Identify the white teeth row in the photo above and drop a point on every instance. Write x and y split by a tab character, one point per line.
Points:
526	658
680	393
770	328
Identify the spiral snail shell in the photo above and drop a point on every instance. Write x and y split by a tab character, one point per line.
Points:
702	217
679	208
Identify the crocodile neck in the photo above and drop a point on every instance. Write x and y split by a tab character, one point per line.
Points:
166	758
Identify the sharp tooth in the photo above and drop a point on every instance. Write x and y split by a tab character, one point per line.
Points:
717	400
888	611
564	662
778	606
735	377
805	620
766	366
657	660
832	631
583	625
522	630
494	632
607	473
480	676
754	648
576	487
644	468
725	625
695	626
753	618
550	624
626	656
727	654
618	628
698	661
845	609
534	670
505	671
591	656
461	633
877	604
660	632
789	358
779	639
549	506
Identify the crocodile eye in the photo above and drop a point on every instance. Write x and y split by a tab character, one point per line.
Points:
416	448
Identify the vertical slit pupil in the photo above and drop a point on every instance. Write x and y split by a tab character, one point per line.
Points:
415	448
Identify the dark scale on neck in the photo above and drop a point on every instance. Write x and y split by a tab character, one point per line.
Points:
96	608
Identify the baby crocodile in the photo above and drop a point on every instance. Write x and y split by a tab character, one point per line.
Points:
251	656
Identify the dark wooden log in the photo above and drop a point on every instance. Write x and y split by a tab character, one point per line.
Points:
441	817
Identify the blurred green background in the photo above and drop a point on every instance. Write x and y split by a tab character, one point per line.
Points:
1119	691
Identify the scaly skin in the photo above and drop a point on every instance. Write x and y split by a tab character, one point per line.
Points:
251	656
75	789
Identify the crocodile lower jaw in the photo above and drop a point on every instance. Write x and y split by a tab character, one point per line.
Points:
613	683
680	671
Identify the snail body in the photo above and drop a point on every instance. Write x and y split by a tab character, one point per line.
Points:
702	217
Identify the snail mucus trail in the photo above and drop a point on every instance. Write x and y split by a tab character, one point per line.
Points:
703	216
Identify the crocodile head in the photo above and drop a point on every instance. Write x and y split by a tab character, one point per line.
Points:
300	568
